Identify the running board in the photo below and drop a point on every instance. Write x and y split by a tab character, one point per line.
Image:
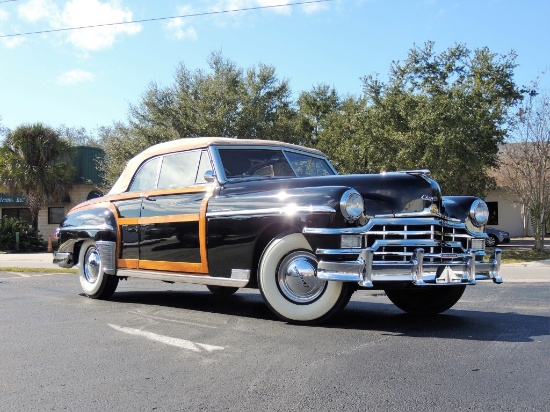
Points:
239	277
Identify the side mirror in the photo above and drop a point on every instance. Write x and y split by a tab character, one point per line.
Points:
209	176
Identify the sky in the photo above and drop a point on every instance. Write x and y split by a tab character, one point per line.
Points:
87	78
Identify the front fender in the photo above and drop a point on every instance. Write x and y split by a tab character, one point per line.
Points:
97	224
458	207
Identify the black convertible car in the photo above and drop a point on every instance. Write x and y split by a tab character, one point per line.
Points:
232	213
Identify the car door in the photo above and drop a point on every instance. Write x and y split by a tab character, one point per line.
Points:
128	206
172	223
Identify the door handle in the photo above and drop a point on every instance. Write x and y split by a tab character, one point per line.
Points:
147	197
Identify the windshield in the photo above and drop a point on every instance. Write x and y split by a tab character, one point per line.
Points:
242	163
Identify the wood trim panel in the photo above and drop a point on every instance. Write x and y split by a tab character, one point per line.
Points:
128	264
122	221
202	231
185	267
191	217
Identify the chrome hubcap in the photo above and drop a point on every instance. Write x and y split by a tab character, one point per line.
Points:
92	265
296	277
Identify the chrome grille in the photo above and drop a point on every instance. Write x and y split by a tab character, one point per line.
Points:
397	242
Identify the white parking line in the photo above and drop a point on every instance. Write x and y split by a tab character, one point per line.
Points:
168	340
25	275
146	315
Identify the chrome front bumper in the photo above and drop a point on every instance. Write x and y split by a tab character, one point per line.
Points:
418	270
63	259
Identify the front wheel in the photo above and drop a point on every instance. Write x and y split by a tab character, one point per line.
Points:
287	282
426	300
491	241
94	281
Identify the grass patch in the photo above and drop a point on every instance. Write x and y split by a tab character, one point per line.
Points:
36	270
527	255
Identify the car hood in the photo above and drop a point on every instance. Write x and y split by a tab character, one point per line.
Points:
387	193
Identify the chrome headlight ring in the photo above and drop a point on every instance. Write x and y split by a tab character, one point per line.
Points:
351	205
479	213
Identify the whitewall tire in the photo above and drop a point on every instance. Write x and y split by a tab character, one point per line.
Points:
95	283
287	282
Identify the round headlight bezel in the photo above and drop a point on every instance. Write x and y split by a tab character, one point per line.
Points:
352	205
479	213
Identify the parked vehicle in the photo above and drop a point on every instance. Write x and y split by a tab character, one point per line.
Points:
496	237
230	213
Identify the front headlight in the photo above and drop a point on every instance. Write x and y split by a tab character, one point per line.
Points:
351	205
479	213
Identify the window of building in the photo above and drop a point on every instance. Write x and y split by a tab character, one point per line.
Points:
493	213
17	213
55	215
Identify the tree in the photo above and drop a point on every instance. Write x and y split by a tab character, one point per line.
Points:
226	101
3	130
36	163
525	163
313	108
447	113
77	136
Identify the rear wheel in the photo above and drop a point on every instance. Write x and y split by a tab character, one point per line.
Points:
93	279
287	281
426	300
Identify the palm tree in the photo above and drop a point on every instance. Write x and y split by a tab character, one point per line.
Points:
36	163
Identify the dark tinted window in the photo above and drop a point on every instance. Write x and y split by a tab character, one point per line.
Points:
55	215
493	213
254	162
18	213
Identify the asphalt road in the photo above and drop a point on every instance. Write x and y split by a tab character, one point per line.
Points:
163	347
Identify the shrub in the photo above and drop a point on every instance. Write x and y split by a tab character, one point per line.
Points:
30	240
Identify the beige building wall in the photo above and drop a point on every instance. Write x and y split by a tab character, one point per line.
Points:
78	194
509	213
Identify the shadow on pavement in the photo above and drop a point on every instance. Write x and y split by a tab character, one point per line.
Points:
384	317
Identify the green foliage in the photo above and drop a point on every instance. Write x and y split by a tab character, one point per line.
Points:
226	101
30	240
36	163
77	136
313	109
447	113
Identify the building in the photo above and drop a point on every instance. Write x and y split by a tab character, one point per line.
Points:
505	213
86	186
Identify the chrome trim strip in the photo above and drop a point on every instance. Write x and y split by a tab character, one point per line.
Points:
287	210
418	221
87	227
349	251
199	279
426	212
